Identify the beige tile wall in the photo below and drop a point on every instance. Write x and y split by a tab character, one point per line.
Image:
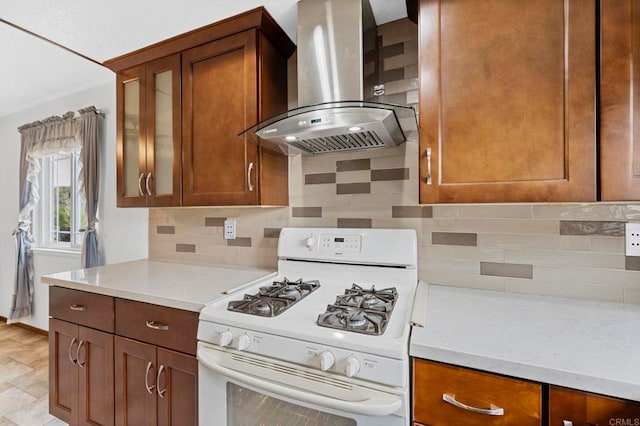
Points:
571	250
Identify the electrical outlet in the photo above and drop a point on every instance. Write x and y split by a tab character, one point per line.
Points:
230	229
632	239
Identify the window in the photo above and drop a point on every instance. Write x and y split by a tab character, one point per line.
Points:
62	207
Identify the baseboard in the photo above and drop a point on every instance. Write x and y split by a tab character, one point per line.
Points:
26	327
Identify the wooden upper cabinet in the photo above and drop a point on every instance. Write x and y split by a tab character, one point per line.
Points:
179	116
567	406
226	84
619	100
507	101
148	134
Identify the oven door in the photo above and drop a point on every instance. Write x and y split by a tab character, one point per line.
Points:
237	388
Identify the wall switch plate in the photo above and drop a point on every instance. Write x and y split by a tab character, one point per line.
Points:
632	238
230	229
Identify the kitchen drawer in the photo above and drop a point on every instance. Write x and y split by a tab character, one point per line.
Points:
520	400
166	327
80	307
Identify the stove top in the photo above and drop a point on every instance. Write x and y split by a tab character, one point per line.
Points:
271	301
360	310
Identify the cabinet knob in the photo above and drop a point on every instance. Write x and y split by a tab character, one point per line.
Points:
567	423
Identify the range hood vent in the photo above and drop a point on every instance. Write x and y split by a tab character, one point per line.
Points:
333	36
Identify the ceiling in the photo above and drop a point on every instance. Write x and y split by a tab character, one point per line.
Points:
34	71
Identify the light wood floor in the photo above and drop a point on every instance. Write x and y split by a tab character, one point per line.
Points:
24	378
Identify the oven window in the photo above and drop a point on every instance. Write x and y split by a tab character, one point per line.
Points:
248	408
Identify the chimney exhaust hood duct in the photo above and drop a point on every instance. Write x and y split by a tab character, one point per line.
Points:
333	37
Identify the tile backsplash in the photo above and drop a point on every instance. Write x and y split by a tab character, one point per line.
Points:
570	250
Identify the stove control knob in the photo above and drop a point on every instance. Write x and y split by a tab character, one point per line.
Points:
310	242
241	342
351	366
225	338
326	360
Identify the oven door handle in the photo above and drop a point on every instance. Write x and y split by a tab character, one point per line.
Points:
375	406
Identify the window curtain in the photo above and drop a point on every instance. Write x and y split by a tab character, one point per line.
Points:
38	139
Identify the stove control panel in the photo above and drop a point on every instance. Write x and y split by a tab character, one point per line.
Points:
330	359
340	243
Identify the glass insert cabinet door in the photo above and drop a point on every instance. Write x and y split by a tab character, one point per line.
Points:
148	163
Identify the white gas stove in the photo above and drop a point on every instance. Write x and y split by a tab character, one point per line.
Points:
328	335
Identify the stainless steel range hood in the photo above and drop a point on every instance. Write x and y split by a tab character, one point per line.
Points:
334	37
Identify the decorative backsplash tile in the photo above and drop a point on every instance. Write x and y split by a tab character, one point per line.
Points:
582	227
353	188
390	174
567	250
186	248
454	238
163	229
351	165
512	270
214	221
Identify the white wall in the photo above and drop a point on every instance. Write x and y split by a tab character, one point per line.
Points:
124	232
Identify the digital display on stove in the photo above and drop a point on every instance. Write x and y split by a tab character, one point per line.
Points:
339	240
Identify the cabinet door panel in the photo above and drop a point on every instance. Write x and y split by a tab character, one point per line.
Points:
135	406
583	408
131	137
179	404
507	100
219	87
63	374
620	100
96	391
163	152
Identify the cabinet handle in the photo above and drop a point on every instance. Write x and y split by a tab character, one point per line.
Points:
146	184
493	411
428	166
157	325
73	361
140	185
249	183
80	308
81	364
567	423
160	392
146	379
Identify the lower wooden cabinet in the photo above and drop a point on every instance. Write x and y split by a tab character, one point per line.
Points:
154	386
445	395
569	407
80	374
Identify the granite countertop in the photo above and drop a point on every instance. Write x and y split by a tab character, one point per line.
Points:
586	345
176	285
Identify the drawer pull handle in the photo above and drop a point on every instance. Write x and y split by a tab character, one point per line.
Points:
80	308
567	423
81	364
157	325
73	361
140	191
160	392
249	183
146	379
493	411
428	166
